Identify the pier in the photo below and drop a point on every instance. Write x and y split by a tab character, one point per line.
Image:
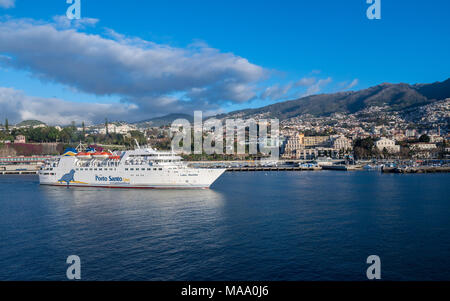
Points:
272	168
19	169
18	172
420	169
22	165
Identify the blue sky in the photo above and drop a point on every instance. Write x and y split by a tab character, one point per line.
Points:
291	49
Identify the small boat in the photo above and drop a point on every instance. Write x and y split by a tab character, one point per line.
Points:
84	156
335	167
101	155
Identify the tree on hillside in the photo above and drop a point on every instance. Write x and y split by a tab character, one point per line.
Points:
84	130
6	124
424	138
52	134
364	148
106	126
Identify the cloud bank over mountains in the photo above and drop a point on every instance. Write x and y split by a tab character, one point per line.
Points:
18	106
150	79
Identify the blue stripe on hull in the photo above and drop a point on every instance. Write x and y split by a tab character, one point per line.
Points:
128	186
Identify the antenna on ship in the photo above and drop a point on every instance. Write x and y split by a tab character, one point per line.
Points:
81	147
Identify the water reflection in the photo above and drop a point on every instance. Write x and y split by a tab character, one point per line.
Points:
140	231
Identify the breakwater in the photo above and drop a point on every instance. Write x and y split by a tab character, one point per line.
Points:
420	169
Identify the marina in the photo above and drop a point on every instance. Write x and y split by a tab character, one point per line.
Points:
32	165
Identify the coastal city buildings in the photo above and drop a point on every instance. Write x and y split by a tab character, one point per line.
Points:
373	132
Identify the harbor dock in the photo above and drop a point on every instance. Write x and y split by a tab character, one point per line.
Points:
21	165
30	169
420	169
272	168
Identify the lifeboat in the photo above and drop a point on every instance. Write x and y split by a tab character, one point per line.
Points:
84	156
114	157
101	155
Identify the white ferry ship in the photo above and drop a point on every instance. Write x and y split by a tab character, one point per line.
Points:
139	168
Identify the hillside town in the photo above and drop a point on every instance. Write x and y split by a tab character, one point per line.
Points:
372	133
375	132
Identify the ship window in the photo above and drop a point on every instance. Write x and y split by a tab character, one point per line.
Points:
160	168
126	169
99	169
131	168
149	169
142	168
154	168
95	168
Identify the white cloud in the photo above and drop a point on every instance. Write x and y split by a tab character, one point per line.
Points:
348	86
62	22
151	79
317	86
141	72
306	81
7	3
277	92
18	106
303	87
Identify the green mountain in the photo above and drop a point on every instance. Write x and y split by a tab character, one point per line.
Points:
396	96
30	123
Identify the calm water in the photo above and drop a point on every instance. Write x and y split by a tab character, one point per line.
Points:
250	226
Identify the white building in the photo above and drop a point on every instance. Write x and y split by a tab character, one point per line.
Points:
388	144
342	143
20	139
410	133
117	129
436	139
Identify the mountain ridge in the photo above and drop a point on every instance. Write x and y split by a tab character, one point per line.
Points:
164	120
398	97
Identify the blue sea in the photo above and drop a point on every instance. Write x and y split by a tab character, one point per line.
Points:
249	226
